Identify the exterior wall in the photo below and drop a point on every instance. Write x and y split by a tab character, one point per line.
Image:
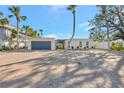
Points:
75	43
5	32
42	39
3	37
101	45
2	34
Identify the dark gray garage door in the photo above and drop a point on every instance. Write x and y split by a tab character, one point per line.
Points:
41	45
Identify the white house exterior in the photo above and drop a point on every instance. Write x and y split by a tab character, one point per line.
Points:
42	43
79	43
101	45
5	33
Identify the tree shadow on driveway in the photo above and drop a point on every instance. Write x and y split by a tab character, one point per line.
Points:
68	69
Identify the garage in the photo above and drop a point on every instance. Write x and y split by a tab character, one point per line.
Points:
43	43
40	45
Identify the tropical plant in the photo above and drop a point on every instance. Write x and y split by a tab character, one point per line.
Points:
72	8
3	20
28	31
32	33
112	18
41	32
16	12
1	14
13	35
104	14
97	35
117	46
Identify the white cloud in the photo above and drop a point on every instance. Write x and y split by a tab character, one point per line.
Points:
55	9
84	24
89	27
52	35
59	35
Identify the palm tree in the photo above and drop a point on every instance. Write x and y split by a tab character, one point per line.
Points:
32	33
3	21
1	14
72	8
13	35
27	31
41	32
16	12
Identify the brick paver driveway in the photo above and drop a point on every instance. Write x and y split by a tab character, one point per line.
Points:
91	68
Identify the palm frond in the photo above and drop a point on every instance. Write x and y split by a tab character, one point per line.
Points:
4	21
23	18
1	14
11	9
10	16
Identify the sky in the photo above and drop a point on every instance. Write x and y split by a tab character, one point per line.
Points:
55	20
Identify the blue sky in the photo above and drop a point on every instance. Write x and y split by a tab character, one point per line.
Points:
56	21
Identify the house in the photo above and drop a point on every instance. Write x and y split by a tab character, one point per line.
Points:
79	43
43	43
5	33
60	44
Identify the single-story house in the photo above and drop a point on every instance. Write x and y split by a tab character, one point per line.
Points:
79	43
43	43
46	43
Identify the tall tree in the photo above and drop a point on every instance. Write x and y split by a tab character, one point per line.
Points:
27	32
104	14
97	35
41	32
12	35
114	20
3	20
1	14
16	13
72	8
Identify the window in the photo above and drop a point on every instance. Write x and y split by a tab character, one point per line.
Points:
80	44
68	44
87	44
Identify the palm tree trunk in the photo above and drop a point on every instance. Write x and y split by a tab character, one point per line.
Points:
73	28
10	41
25	40
17	34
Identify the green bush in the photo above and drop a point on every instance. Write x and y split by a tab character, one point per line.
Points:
5	48
117	46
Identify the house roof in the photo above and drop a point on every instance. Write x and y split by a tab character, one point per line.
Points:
11	27
79	39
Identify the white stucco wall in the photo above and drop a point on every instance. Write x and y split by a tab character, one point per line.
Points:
75	43
101	45
42	39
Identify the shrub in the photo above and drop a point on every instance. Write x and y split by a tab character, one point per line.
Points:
117	46
5	48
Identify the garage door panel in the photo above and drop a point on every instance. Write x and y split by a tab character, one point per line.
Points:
41	45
